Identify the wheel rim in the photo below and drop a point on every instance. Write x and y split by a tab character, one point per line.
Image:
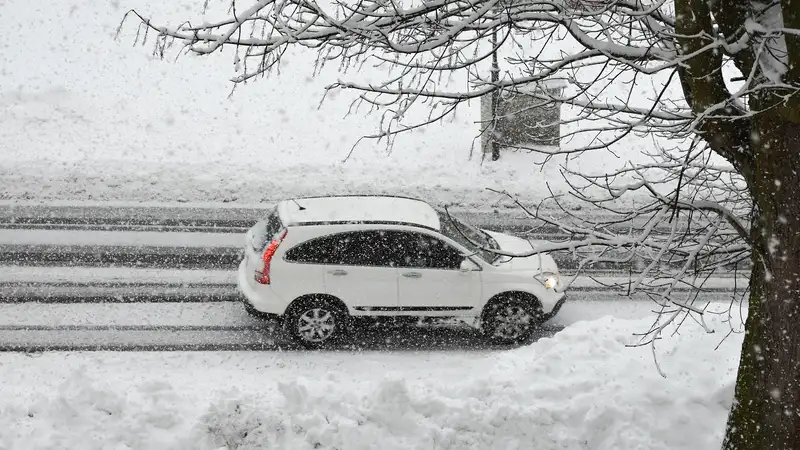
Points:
511	322
316	325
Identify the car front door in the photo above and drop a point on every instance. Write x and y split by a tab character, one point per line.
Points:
359	272
430	276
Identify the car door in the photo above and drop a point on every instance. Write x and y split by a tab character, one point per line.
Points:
359	272
430	278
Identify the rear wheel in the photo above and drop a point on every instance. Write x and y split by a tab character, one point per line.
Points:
315	323
512	320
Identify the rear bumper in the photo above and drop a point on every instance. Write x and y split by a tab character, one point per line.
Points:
262	298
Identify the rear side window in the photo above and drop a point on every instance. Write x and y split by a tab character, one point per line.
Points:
354	248
315	251
265	229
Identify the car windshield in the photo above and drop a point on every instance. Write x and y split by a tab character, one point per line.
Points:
473	239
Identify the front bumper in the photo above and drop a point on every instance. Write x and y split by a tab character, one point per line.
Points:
556	308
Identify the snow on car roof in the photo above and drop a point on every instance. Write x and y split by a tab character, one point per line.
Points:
358	209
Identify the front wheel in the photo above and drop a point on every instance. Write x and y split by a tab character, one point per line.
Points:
315	323
512	321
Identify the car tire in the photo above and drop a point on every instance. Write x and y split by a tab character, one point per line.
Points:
512	320
315	323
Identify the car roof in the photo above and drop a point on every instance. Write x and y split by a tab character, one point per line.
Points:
358	208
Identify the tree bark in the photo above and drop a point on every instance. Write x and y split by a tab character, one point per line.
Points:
766	409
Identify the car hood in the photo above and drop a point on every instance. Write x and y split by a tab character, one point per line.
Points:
539	263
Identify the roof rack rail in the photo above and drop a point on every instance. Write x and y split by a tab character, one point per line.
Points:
357	195
360	222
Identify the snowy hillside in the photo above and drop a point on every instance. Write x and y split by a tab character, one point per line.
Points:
87	117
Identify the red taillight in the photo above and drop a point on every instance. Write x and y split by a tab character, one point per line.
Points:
263	276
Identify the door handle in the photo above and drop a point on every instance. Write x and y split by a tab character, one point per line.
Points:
412	275
338	272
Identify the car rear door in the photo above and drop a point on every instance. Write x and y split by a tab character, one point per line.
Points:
358	270
430	278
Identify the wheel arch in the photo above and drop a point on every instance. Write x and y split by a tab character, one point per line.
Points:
505	296
309	298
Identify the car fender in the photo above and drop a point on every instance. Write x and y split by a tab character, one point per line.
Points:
548	298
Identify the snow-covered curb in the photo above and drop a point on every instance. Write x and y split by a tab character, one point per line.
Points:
455	181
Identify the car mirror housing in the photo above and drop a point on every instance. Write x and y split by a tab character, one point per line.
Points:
468	265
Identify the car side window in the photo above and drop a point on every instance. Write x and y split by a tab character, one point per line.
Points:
423	251
366	248
314	251
354	248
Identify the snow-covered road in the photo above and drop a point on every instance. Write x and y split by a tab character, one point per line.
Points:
161	278
31	326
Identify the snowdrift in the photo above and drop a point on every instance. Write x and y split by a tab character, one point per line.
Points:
581	389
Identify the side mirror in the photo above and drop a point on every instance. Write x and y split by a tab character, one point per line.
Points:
467	265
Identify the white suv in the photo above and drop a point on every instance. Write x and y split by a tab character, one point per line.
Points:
317	262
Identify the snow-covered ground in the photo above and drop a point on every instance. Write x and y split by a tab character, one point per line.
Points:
87	118
90	118
581	389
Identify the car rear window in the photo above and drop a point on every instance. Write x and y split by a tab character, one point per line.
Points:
265	229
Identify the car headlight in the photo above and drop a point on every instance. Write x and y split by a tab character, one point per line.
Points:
550	280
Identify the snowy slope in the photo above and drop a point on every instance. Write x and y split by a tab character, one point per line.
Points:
581	389
87	117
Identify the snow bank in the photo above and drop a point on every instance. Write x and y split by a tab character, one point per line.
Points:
582	388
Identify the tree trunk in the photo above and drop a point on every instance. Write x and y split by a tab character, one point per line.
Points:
766	409
495	99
